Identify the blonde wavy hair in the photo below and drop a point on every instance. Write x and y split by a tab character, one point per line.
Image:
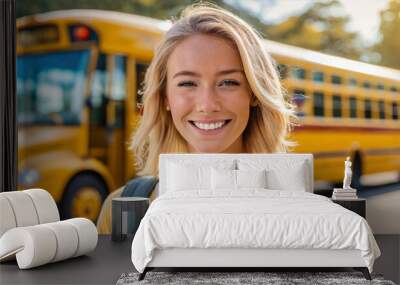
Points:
270	121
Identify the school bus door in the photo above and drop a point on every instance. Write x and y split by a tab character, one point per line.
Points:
107	114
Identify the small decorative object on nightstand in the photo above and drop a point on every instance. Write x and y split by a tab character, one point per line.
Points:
127	212
345	193
347	196
356	205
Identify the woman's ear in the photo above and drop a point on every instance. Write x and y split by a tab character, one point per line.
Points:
253	101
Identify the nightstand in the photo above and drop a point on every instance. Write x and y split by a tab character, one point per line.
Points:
356	205
127	212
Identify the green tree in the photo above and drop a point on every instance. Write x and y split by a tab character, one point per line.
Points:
322	27
389	44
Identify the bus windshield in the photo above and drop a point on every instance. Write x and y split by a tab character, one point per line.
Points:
50	87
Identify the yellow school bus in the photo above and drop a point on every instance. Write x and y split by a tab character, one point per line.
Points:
78	73
77	78
346	108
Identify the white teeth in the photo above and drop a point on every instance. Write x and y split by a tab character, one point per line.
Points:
211	126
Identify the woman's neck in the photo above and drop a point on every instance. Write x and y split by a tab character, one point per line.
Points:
236	147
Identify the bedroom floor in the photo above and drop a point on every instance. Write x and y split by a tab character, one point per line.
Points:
106	264
388	263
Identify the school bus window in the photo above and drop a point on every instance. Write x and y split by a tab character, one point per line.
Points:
99	90
298	99
298	73
395	111
336	79
318	76
118	89
393	89
118	78
283	70
380	87
140	73
367	109
318	104
353	107
51	87
337	106
352	82
366	84
36	35
381	106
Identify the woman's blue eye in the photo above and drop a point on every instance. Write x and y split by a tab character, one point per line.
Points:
186	84
230	82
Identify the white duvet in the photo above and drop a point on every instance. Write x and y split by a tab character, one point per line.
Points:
252	218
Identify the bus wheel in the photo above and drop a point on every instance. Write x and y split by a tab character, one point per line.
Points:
357	171
83	197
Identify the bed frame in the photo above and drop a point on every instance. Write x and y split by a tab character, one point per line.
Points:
246	259
249	258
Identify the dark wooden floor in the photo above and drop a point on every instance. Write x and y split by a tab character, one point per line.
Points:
389	262
106	264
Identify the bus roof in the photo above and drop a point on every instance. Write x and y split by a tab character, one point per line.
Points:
331	60
103	15
162	26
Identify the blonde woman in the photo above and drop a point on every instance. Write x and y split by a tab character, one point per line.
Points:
210	88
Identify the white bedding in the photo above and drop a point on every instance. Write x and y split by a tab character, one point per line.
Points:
251	218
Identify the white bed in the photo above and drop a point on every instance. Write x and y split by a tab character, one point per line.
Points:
249	210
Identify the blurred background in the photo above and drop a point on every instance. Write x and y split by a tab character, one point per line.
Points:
80	65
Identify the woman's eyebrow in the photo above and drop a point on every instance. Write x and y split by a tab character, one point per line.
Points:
222	72
187	73
229	71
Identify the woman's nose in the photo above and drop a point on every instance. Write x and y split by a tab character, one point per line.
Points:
207	101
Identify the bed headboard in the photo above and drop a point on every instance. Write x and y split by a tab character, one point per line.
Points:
296	169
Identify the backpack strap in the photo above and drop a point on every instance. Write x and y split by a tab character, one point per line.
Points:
140	187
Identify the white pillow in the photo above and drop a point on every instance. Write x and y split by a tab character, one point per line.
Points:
223	179
181	177
279	180
282	174
251	178
237	179
188	176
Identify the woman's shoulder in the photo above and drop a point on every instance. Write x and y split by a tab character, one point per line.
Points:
140	186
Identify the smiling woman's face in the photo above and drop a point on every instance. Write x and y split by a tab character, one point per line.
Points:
208	94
